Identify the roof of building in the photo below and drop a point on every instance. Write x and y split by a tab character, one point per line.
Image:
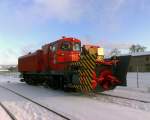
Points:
134	54
141	53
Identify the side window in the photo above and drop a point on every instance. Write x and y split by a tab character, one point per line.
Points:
50	47
53	47
66	45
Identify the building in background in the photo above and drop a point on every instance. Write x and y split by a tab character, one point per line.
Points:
140	62
6	68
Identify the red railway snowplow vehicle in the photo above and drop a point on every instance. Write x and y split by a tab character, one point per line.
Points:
65	65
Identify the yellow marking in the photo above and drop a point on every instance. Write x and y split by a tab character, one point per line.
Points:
83	65
85	87
87	65
89	81
100	58
88	88
90	73
80	88
91	57
90	64
86	81
91	69
86	73
92	61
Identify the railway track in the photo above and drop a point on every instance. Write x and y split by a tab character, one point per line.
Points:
121	97
8	112
12	116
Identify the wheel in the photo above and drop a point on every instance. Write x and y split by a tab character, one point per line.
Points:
61	83
56	82
29	81
48	82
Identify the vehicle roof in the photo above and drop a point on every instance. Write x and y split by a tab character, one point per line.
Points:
70	39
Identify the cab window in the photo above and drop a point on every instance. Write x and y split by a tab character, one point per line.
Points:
76	46
66	45
54	47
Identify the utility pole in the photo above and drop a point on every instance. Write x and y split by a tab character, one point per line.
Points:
137	70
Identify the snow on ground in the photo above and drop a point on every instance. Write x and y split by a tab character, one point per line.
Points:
77	106
143	79
9	77
4	115
23	109
127	94
74	105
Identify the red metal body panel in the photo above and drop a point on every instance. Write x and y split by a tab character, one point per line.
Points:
57	59
67	56
50	58
32	62
46	57
71	39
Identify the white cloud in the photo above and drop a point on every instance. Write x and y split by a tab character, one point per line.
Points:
29	13
21	14
96	11
65	10
39	10
33	11
117	45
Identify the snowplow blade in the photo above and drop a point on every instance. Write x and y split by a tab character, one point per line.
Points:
120	71
100	76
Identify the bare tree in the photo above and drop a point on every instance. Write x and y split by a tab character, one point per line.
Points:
137	48
115	52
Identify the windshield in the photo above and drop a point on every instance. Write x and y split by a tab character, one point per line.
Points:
76	46
66	45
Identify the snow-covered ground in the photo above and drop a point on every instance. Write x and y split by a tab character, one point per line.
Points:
4	115
74	105
23	109
143	79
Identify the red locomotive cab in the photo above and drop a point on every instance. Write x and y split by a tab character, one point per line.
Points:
69	51
61	52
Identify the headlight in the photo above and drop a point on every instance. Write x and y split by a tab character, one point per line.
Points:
100	51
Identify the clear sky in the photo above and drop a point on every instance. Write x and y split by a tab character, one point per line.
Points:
26	25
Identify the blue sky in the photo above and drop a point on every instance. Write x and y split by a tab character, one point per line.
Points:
26	25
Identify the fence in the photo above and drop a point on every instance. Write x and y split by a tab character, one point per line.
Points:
138	79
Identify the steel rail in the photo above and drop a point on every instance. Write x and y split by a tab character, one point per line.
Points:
121	97
8	112
49	109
